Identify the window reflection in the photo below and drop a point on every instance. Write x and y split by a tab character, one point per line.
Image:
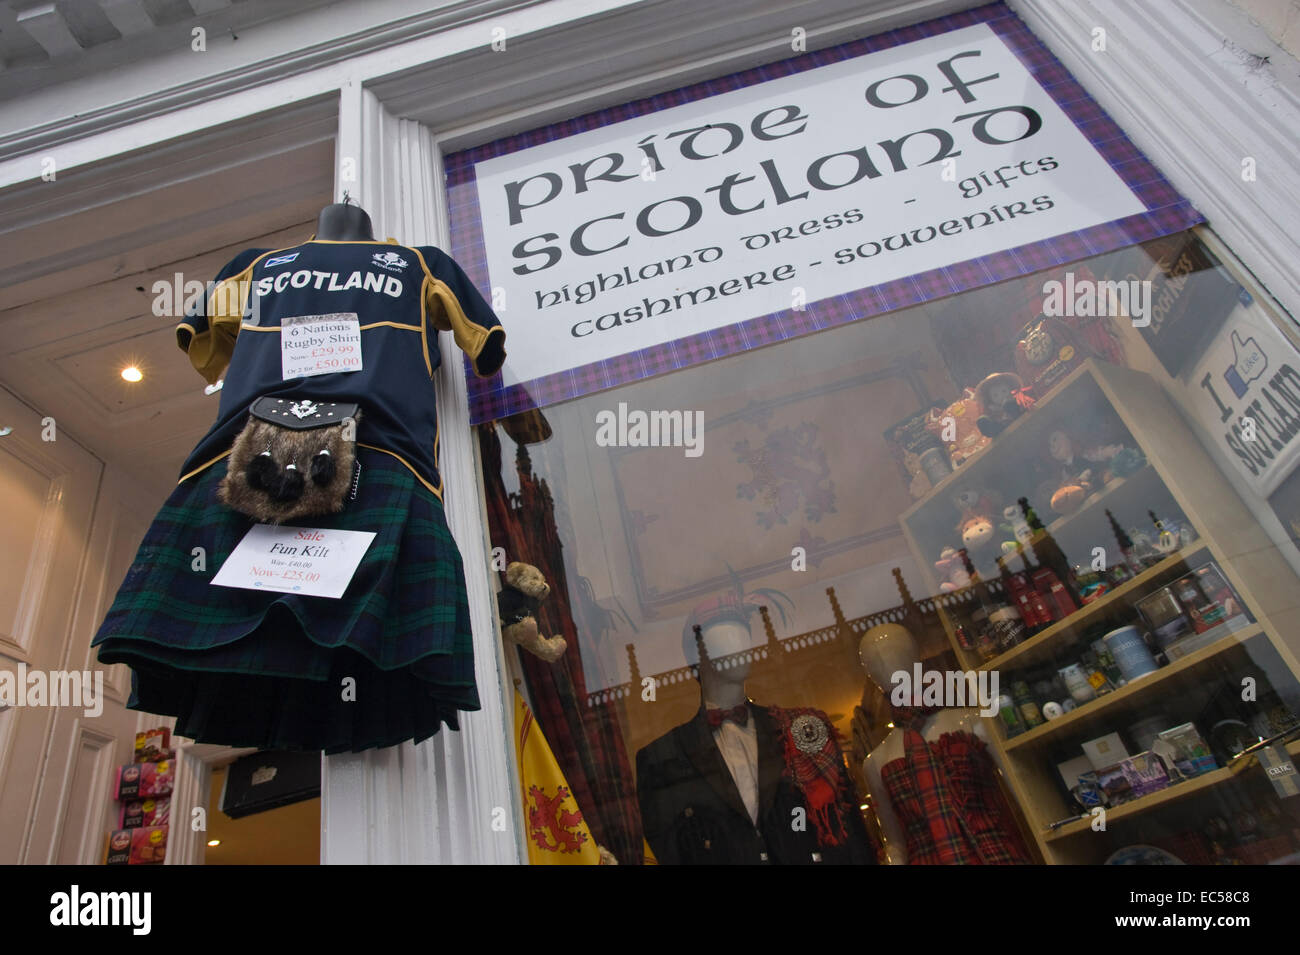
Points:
976	577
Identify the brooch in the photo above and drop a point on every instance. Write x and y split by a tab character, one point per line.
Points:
809	733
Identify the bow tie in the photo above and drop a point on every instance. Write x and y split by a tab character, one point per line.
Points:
738	714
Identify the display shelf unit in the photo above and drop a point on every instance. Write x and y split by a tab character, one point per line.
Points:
1040	646
1178	478
1165	797
1132	695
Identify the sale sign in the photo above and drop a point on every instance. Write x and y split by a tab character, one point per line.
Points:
319	344
312	561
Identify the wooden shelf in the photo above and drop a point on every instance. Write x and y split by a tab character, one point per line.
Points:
1106	705
1140	478
1032	416
1178	478
1034	649
1164	797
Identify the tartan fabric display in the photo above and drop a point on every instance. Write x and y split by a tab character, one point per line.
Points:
586	740
816	769
253	668
946	797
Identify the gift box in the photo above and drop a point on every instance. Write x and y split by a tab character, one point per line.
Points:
1105	751
1045	354
959	421
137	813
907	441
144	779
1115	785
1191	756
151	746
1145	774
146	846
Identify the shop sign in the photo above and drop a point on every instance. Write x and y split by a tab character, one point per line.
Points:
1190	297
815	191
1245	393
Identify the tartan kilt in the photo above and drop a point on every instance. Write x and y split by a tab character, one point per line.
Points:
253	668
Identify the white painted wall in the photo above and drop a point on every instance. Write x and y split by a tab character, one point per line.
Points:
71	529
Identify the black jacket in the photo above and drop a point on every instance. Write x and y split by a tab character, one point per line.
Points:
692	812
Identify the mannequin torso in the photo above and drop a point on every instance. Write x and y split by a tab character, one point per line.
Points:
957	758
964	720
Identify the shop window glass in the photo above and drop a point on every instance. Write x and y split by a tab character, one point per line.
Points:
1071	498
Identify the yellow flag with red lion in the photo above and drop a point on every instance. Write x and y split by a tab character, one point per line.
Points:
557	833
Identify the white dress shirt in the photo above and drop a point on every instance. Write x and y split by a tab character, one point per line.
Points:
739	748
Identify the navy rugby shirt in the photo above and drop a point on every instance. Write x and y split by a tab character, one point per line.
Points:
401	295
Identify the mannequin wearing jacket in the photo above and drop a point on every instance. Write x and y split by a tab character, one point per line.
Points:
743	784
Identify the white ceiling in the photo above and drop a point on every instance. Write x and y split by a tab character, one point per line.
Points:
77	299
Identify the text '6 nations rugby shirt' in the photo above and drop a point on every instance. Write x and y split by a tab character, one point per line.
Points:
401	296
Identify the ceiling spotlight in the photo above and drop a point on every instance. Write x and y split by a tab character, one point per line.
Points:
214	842
132	373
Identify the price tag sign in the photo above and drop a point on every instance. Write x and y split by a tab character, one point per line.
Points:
313	561
1280	770
319	345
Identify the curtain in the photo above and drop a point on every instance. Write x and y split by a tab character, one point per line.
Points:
587	741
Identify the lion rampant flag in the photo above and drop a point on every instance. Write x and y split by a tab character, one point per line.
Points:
557	833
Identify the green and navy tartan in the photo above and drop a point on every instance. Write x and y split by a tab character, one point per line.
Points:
254	668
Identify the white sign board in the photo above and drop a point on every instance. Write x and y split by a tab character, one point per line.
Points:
1245	393
312	561
781	194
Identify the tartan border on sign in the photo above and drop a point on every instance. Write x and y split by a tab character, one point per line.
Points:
1167	212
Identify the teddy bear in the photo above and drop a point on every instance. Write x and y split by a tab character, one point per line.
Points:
517	604
1081	469
976	525
953	568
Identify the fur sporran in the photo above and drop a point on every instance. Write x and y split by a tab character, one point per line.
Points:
293	459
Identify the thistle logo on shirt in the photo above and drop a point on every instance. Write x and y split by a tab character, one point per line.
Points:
389	260
280	260
330	282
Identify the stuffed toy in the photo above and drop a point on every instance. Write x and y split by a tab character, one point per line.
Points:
292	459
1014	523
953	569
517	605
1128	461
976	524
1082	470
1003	398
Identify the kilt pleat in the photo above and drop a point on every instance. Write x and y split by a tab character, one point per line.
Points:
256	668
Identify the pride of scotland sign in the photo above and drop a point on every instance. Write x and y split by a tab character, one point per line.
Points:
616	248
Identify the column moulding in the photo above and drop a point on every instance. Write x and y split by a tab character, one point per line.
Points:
435	802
